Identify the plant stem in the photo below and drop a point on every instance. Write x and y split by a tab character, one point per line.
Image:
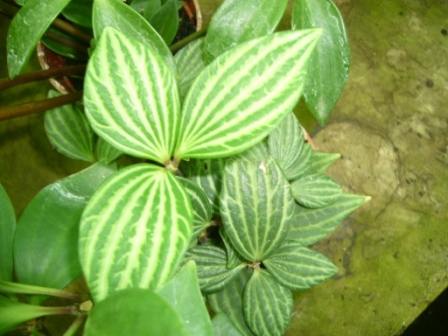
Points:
71	29
75	325
38	106
6	83
179	45
69	43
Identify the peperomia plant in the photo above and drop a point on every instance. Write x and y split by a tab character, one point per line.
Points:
227	200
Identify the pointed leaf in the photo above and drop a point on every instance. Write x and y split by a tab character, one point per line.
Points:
222	326
244	94
328	67
7	229
267	305
297	267
165	21
26	29
321	161
134	231
255	18
46	240
134	311
118	15
79	12
185	297
315	190
311	225
137	108
256	207
69	131
106	152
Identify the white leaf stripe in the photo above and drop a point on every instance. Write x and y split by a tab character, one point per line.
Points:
141	214
321	161
189	62
219	107
315	190
137	110
106	152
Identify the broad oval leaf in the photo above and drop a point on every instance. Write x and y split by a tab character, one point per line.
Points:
297	267
118	15
134	231
315	190
134	311
244	94
329	64
7	229
106	152
267	305
238	21
137	108
256	207
46	240
69	131
25	30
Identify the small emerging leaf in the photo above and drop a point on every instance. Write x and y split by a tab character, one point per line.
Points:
165	21
315	190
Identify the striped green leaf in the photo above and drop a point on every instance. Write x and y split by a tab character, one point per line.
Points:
222	326
267	305
311	225
106	152
118	15
230	301
26	29
244	94
321	161
328	68
69	131
137	108
202	210
296	267
315	190
135	230
257	152
239	21
233	257
7	229
256	207
211	262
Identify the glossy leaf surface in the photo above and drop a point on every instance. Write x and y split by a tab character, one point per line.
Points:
137	108
244	94
166	21
329	65
315	190
134	230
79	12
7	229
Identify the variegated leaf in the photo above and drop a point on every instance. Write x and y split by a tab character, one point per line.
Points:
135	230
137	108
297	267
257	152
256	207
233	257
315	190
244	94
106	152
321	161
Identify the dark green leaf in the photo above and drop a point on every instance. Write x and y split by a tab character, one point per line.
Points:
165	21
7	229
141	5
63	49
79	12
315	190
233	257
222	326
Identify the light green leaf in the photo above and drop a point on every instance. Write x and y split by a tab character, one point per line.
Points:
46	239
296	267
329	65
137	108
134	311
233	257
257	152
7	229
222	326
79	12
256	207
183	293
315	190
106	152
165	21
230	301
267	305
239	21
311	225
321	161
26	29
118	15
134	231
244	94
69	131
211	262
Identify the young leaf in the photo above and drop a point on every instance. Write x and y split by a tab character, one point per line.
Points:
135	230
296	267
137	108
46	239
118	15
244	94
328	67
79	12
106	152
311	225
267	305
222	326
315	190
183	293
7	229
165	21
69	131
25	30
321	161
256	207
255	18
134	311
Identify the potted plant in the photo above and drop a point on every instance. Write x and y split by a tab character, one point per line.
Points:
229	194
